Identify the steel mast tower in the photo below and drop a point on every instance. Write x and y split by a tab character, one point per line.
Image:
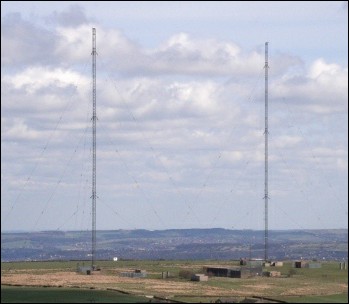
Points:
266	197
94	118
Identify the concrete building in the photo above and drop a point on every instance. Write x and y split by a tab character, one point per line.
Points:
84	269
233	272
343	266
198	277
305	264
271	273
313	265
165	274
255	262
300	264
137	273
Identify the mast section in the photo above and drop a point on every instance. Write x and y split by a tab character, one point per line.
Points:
94	118
266	132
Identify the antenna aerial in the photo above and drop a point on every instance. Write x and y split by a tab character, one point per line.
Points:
94	118
266	197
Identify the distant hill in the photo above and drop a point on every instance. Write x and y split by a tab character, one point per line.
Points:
215	243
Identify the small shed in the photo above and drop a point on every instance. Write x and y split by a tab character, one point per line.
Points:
275	274
198	277
137	273
255	263
300	264
342	265
223	272
313	265
277	264
84	269
165	275
243	262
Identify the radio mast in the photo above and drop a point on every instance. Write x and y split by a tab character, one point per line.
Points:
266	197
94	118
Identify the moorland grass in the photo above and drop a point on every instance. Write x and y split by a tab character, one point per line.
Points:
64	295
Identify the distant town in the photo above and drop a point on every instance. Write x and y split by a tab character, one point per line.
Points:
175	244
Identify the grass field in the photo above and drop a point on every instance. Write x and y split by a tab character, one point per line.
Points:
63	295
324	285
339	298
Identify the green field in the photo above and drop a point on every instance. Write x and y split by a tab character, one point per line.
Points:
64	295
327	284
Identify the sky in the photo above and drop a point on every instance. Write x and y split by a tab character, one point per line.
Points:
180	107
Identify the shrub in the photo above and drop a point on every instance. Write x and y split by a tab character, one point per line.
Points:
291	272
185	274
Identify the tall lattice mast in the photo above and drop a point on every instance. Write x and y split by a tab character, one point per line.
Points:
266	67
94	118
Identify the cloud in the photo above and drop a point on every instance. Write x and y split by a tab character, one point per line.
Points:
41	89
33	79
323	89
18	131
179	55
214	58
179	121
73	16
25	43
70	43
184	55
287	141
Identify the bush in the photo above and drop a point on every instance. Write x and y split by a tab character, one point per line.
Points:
291	272
186	274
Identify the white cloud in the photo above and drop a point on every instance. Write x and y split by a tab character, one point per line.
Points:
27	43
323	90
18	130
287	141
33	79
342	164
183	54
181	122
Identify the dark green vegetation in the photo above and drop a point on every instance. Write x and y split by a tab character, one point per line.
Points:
192	244
63	295
339	298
